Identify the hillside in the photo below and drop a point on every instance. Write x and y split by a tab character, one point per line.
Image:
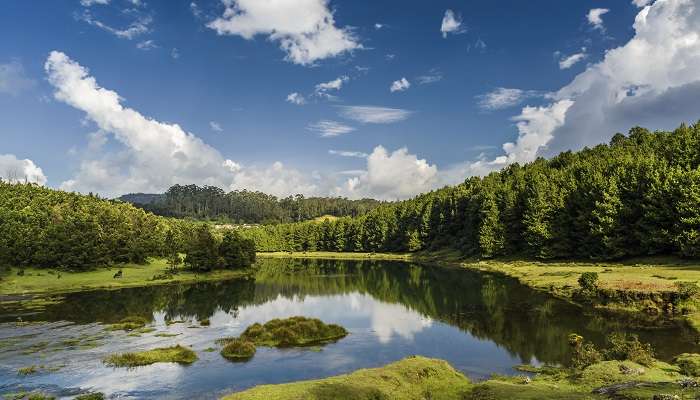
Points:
242	206
637	196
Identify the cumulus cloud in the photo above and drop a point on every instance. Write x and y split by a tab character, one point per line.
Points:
323	89
641	3
13	79
391	176
400	85
569	61
328	128
296	98
373	114
652	80
451	23
501	98
305	29
595	17
15	170
139	27
345	153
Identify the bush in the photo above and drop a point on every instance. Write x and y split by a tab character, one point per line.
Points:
588	281
688	363
628	347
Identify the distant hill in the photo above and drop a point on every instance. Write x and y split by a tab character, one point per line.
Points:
141	198
242	206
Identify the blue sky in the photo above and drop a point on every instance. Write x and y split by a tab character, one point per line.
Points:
468	77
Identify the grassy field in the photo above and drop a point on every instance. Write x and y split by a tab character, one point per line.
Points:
339	256
43	281
418	378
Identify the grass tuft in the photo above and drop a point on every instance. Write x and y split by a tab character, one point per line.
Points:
176	354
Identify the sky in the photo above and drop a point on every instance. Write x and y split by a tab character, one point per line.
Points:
353	98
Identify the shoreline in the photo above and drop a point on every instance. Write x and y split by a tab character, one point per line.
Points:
649	280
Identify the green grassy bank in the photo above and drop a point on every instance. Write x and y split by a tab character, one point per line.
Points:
419	378
37	281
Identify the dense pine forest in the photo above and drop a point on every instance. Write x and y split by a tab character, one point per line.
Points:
639	195
49	228
242	206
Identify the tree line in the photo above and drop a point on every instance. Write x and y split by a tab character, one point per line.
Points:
638	195
41	227
243	206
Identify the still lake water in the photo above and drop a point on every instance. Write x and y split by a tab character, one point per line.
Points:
480	323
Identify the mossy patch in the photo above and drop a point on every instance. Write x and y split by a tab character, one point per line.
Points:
689	363
238	350
91	396
413	378
128	324
294	331
175	354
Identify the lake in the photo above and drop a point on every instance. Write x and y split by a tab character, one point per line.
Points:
480	323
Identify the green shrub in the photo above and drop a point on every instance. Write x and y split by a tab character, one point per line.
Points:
628	347
689	363
588	281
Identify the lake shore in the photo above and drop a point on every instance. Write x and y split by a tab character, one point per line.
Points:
42	281
417	377
644	284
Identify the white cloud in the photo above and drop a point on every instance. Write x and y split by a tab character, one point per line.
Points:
146	45
139	27
451	23
296	98
400	85
328	128
215	126
501	98
336	84
196	11
595	17
88	3
652	81
433	76
13	79
276	180
641	3
15	170
378	26
570	61
305	29
373	114
391	176
345	153
175	53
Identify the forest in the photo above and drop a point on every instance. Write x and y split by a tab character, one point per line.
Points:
48	228
243	206
638	195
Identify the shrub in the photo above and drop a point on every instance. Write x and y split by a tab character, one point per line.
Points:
588	281
688	363
628	347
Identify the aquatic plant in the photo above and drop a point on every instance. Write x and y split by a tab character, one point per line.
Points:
128	324
238	350
177	354
294	331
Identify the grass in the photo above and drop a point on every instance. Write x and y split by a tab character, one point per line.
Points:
129	324
413	378
425	378
238	350
40	281
175	354
292	332
90	396
334	255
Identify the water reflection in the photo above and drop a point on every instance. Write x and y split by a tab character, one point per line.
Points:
482	324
